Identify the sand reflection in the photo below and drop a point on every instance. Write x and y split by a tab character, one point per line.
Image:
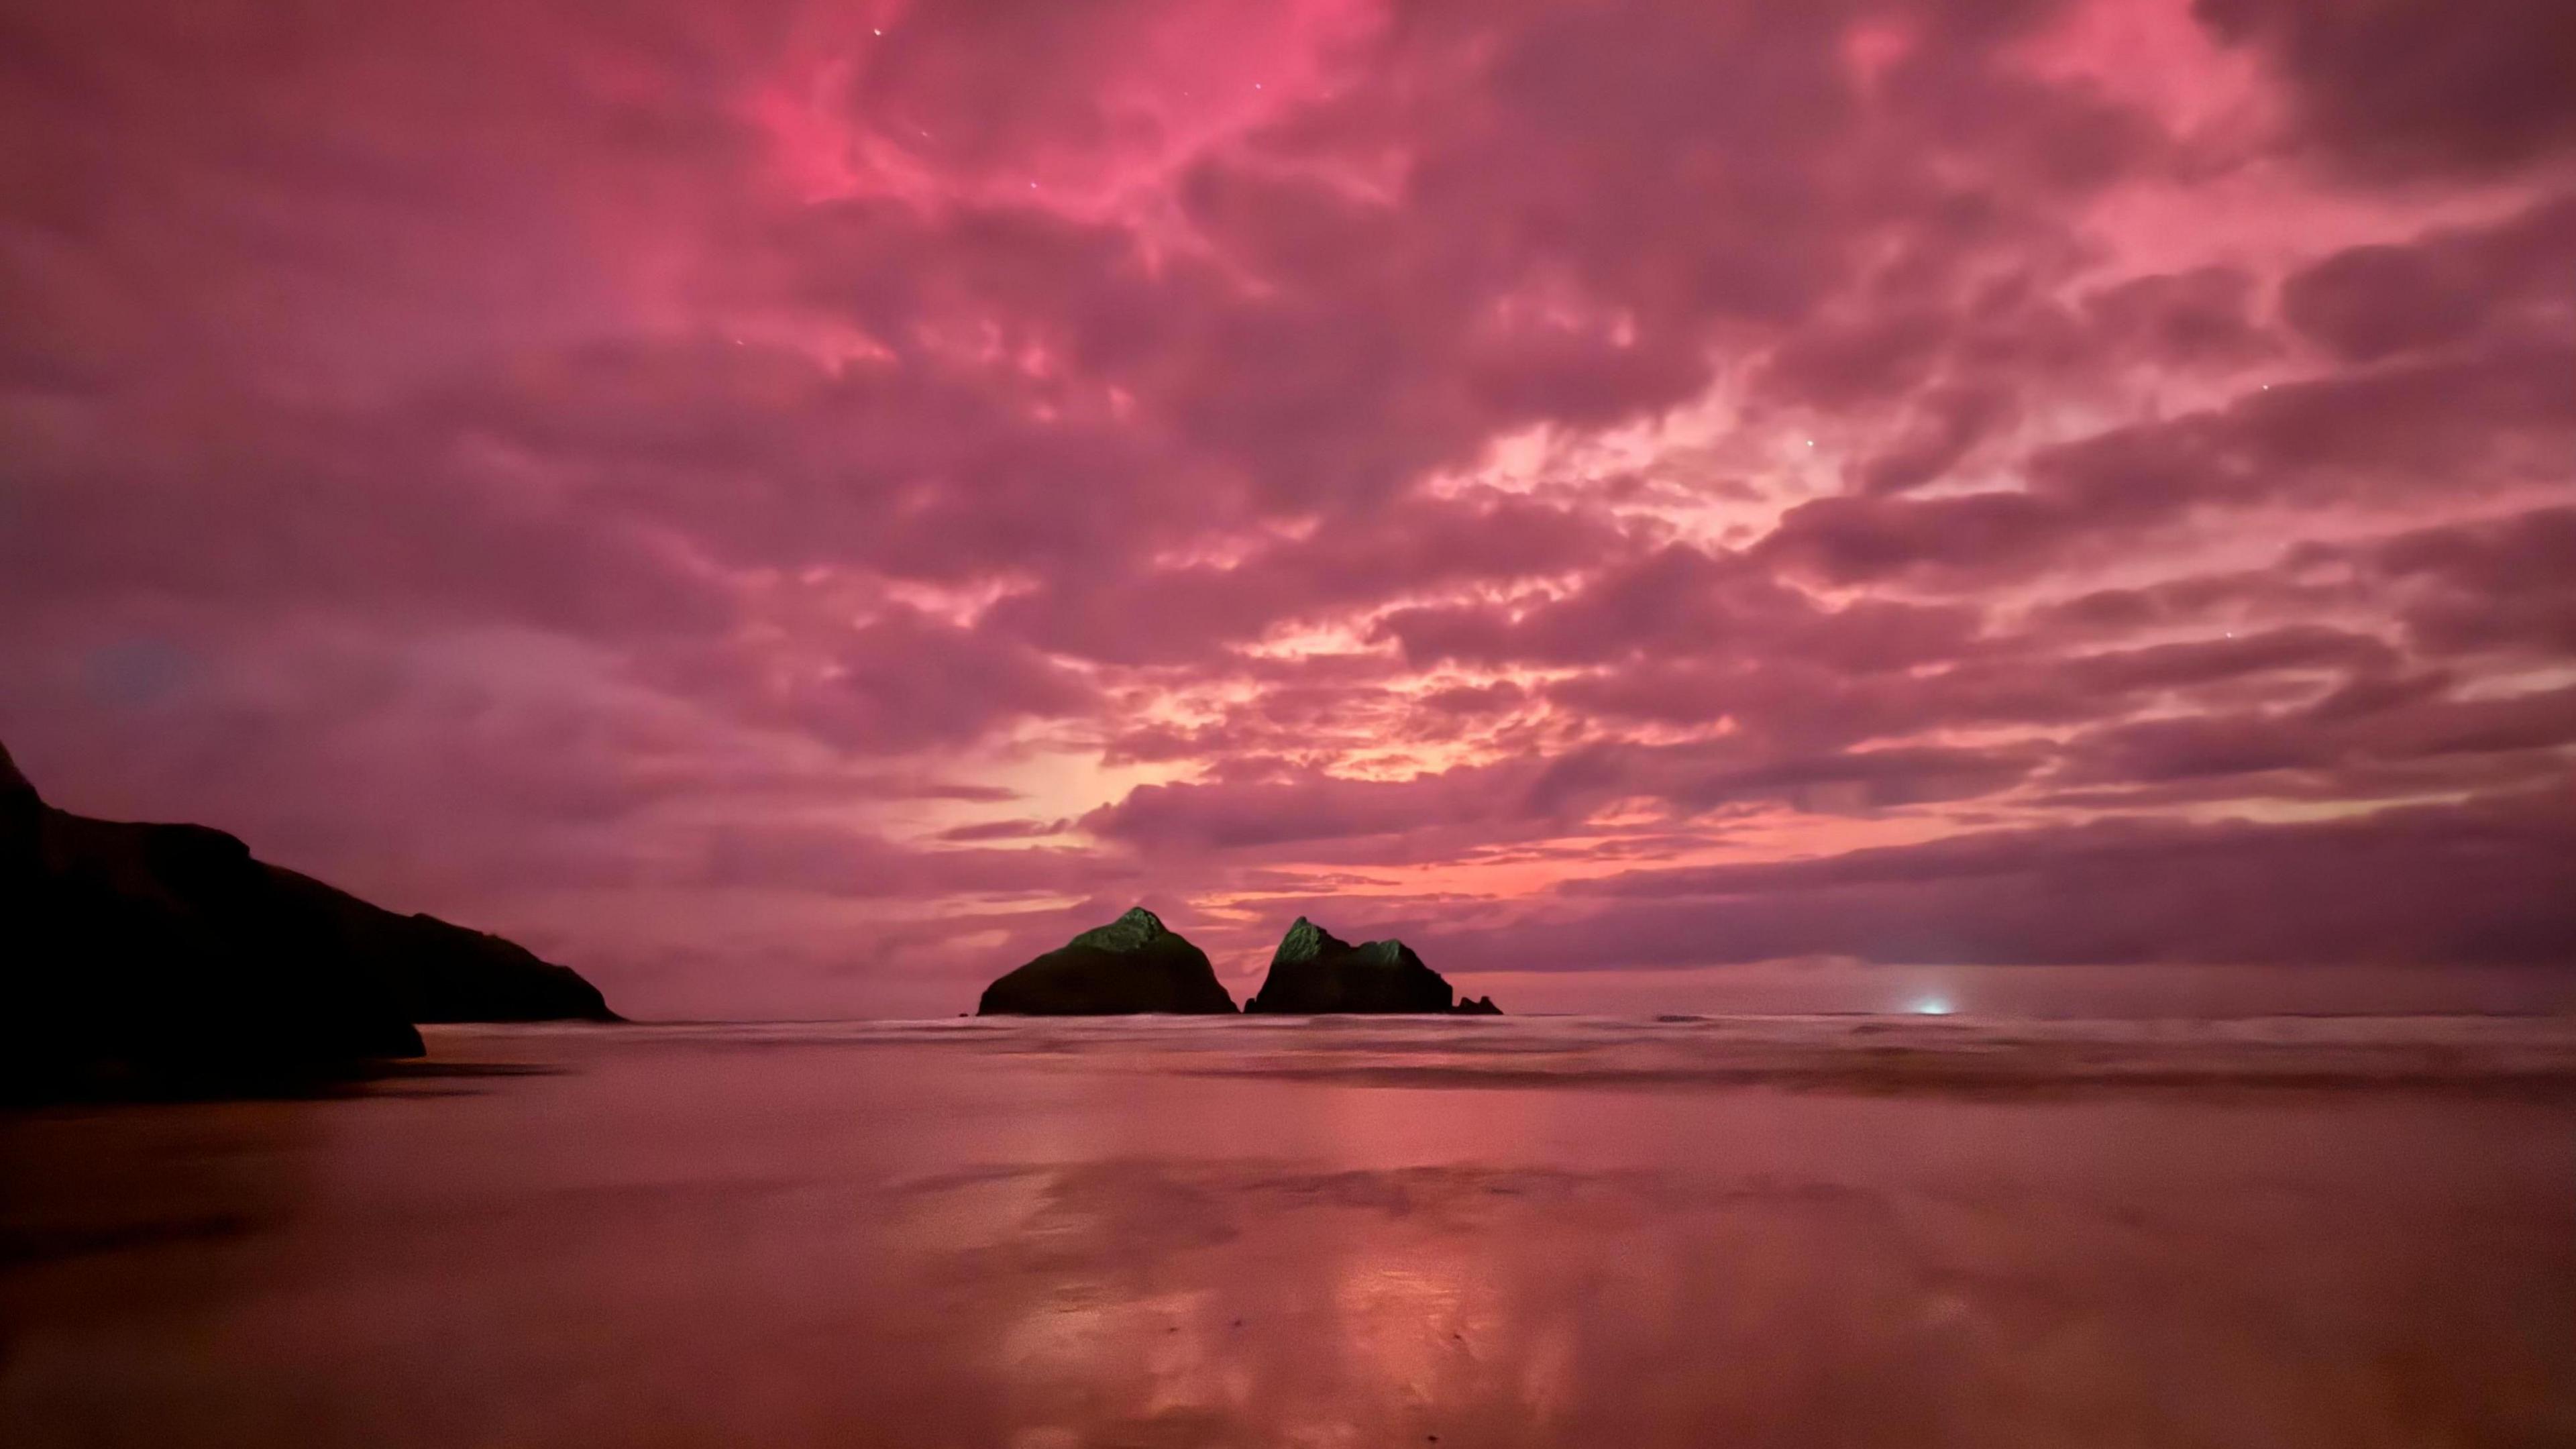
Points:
1060	1239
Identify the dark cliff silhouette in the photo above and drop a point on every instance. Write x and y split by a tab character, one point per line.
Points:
1315	972
1134	964
151	956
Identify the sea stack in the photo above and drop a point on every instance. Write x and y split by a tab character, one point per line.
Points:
152	957
1315	972
1133	965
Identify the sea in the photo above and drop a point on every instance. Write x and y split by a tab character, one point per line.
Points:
1561	1231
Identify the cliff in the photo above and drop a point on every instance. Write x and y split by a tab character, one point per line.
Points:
152	956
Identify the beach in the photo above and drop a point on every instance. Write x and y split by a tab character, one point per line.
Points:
1526	1231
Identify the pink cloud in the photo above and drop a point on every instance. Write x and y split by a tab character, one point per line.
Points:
809	501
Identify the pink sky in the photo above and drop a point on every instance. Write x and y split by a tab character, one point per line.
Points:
793	507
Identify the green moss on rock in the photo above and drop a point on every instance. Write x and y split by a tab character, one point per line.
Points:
1133	965
1315	972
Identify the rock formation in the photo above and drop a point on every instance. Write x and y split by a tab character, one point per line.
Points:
1133	964
166	956
442	972
1315	972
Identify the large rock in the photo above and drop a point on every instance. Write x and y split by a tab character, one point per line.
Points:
1134	964
21	813
150	957
442	972
1315	972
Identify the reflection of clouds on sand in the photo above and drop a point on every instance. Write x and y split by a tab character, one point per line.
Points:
1143	1302
1538	1233
1482	1304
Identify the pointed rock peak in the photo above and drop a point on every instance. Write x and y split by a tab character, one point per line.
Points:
1389	952
1135	964
1129	932
1316	972
1305	941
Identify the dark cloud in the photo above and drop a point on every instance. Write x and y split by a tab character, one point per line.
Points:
2414	86
2447	286
2497	583
2488	421
1679	600
2323	736
2476	883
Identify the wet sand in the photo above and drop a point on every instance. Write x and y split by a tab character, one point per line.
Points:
1527	1232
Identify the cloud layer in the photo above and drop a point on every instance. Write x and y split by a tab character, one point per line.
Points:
793	506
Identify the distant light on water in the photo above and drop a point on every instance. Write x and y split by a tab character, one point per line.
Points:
1932	1006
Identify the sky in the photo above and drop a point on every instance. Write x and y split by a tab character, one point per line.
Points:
794	507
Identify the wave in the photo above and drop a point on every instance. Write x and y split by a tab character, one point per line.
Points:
2488	1055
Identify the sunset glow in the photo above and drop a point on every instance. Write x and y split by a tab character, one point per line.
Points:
796	507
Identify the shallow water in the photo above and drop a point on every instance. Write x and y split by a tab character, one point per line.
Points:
1861	1231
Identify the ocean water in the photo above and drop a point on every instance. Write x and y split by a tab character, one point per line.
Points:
1527	1231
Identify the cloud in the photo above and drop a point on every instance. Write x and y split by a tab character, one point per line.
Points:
2323	736
2379	438
897	682
2507	583
2414	86
2434	885
2445	287
807	501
